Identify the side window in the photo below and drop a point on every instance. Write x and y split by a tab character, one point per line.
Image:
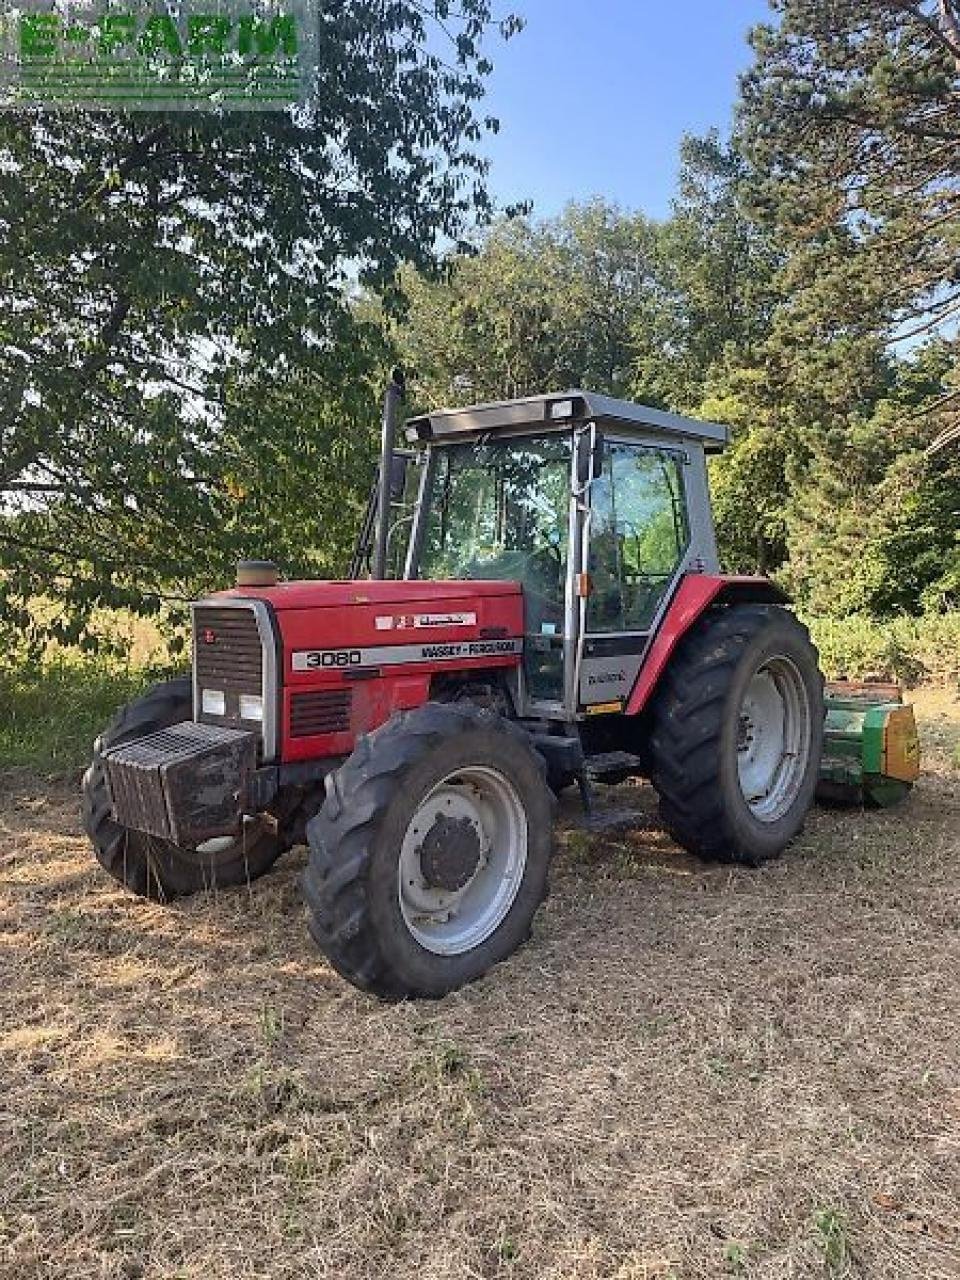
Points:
638	536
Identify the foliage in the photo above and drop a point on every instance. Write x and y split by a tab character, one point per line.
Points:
540	305
849	119
51	712
907	648
712	299
849	124
176	350
873	526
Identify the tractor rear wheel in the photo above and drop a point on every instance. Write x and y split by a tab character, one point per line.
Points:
738	734
429	858
149	866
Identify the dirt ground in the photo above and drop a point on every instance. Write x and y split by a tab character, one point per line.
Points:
689	1071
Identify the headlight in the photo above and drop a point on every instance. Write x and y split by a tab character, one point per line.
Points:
213	702
251	707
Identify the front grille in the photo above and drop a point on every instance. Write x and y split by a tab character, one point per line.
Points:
325	712
227	652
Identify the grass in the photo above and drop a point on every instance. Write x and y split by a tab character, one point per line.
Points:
51	713
52	710
831	1230
689	1072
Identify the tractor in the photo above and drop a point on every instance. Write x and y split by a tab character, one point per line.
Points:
559	619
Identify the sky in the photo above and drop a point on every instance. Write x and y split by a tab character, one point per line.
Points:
594	96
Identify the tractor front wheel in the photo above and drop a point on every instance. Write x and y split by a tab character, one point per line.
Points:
738	734
429	858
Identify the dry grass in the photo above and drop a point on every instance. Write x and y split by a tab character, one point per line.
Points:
689	1072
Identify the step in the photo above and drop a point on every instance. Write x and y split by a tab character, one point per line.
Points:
612	764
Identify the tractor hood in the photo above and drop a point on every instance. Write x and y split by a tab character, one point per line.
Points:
317	662
341	595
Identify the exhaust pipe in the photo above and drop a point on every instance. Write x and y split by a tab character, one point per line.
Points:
392	401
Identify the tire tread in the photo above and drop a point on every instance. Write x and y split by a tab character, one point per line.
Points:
341	836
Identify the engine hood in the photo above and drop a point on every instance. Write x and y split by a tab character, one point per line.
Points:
325	595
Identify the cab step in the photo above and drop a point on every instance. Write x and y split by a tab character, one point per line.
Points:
611	767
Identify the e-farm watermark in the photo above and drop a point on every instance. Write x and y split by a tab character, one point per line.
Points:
192	55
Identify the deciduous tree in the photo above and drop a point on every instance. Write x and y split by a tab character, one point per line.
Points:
176	348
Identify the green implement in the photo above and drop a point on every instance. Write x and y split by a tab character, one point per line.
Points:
871	750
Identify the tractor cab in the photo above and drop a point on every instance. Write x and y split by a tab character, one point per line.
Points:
597	507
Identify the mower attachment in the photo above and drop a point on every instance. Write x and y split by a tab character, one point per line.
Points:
871	750
186	784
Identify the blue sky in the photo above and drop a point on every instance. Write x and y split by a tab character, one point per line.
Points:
595	95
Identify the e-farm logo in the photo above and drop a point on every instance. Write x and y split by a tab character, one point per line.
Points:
192	55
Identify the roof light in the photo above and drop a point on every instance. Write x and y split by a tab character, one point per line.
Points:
561	409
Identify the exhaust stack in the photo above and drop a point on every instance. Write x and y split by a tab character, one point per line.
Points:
391	415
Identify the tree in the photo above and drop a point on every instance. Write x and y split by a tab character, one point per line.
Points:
849	118
874	525
714	297
537	305
164	275
850	124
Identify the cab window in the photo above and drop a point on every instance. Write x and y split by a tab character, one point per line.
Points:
500	509
638	535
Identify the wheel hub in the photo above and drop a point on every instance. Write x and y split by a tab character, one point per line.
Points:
462	860
773	737
450	854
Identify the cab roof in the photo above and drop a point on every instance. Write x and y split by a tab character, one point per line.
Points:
560	409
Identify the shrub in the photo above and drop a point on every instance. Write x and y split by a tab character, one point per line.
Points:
908	649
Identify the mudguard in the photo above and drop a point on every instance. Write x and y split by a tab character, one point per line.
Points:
696	593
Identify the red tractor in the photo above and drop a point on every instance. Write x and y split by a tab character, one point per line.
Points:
560	619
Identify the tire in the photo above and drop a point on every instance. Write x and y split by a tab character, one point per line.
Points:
715	736
365	836
147	865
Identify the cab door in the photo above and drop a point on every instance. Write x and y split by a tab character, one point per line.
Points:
638	539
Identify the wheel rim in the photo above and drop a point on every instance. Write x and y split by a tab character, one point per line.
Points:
773	739
462	860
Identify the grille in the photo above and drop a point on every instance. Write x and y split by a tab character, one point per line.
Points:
233	659
324	712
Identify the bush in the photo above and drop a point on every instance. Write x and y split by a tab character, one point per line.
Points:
51	712
908	649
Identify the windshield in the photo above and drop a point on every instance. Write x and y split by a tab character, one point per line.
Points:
500	510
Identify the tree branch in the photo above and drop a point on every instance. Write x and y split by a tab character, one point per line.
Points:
944	32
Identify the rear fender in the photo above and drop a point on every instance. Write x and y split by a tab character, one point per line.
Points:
696	594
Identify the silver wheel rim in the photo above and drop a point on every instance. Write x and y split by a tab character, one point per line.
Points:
452	921
773	739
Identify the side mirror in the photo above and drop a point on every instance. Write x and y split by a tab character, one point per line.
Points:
398	474
589	456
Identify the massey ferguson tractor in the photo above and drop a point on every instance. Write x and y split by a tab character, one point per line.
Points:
560	619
